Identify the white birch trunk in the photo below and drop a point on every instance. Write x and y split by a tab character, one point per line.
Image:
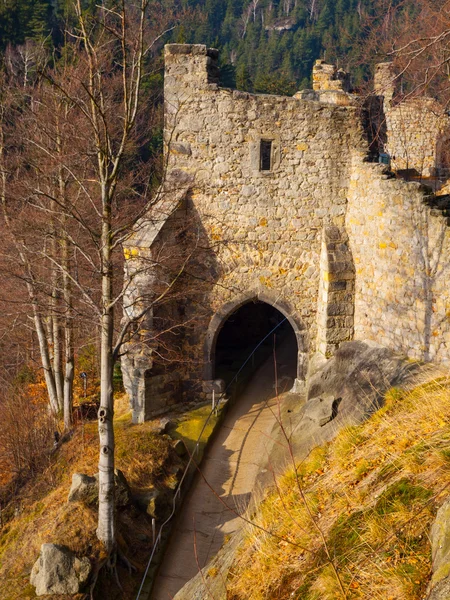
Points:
69	354
57	362
69	369
55	320
68	384
106	509
45	354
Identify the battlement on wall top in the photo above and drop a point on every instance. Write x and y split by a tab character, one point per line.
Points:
194	63
195	66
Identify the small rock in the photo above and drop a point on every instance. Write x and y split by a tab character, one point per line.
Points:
58	571
180	448
173	483
123	492
163	425
147	501
154	503
178	148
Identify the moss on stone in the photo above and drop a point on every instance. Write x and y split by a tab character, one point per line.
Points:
190	426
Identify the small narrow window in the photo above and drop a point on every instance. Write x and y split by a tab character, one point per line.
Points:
266	155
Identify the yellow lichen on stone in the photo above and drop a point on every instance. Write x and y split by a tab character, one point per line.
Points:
130	253
265	281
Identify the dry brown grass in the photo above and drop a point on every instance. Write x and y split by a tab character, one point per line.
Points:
145	458
373	492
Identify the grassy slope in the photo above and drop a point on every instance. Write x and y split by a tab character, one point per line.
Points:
371	494
146	459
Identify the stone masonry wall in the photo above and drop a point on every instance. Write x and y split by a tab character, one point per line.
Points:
336	303
401	251
416	127
265	226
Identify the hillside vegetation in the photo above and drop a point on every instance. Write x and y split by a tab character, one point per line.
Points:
354	520
43	514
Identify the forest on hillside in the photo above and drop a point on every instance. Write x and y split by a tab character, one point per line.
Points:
265	45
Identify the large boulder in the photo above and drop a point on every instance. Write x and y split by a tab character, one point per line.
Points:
85	489
58	571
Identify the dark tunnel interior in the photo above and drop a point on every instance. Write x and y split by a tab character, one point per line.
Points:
239	344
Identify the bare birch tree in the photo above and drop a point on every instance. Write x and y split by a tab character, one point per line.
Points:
108	191
34	197
27	271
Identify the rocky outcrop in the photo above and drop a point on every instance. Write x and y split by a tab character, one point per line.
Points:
440	543
354	381
58	571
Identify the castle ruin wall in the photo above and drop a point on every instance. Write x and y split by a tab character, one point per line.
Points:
401	251
416	127
340	248
265	226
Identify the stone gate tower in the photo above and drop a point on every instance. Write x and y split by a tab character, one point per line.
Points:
270	199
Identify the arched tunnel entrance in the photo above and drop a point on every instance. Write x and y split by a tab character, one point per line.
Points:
254	334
